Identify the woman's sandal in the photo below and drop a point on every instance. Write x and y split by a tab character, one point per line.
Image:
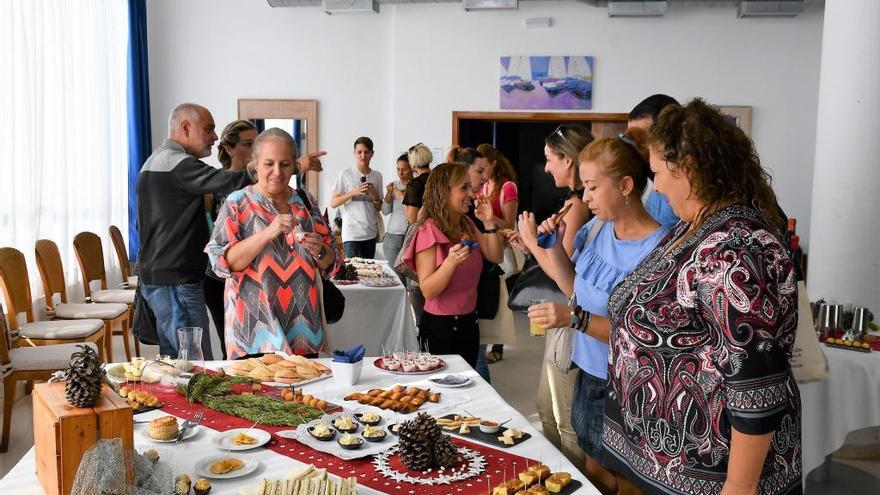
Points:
494	357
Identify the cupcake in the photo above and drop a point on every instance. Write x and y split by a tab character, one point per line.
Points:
423	365
392	364
202	487
409	366
181	485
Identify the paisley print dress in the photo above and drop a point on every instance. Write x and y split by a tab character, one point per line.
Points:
700	343
273	304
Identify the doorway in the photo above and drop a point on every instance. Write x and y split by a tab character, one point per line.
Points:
520	136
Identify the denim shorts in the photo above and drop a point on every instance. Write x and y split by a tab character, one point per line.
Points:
588	413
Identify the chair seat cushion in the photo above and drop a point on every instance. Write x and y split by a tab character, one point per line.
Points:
103	311
114	296
47	357
60	329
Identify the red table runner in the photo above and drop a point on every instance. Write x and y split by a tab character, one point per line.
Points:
498	463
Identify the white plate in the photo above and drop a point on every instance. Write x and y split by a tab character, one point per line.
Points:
451	381
203	467
223	440
190	432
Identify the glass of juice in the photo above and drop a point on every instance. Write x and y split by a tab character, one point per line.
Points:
534	329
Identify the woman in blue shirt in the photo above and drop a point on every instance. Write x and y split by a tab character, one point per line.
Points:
614	172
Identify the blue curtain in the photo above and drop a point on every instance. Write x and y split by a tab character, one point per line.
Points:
139	142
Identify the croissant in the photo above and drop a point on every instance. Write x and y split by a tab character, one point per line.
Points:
406	398
396	396
374	392
387	404
408	408
365	399
397	406
386	394
417	401
413	390
422	395
398	388
434	397
354	396
377	401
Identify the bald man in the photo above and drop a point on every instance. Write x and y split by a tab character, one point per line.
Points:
173	226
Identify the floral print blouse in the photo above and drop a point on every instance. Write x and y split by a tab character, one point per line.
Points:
700	343
273	304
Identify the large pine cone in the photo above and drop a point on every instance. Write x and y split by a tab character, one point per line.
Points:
423	446
84	377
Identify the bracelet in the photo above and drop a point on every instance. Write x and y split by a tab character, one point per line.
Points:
580	319
491	231
323	253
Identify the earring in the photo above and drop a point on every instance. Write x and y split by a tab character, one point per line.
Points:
626	199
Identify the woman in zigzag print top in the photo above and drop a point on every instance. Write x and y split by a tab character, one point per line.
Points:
270	247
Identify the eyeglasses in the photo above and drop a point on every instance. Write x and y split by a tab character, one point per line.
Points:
413	147
558	132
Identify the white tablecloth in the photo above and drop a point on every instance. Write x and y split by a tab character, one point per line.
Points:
847	401
374	317
484	401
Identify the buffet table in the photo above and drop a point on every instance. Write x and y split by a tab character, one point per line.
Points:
374	317
479	398
849	400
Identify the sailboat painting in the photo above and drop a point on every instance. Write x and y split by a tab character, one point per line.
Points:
554	82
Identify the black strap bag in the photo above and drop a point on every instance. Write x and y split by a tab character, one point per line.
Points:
333	300
144	325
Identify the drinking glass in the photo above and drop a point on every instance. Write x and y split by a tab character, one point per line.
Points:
190	352
534	329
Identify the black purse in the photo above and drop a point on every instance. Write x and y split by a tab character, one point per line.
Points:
333	300
144	325
532	283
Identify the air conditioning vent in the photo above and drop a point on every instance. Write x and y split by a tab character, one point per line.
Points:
769	8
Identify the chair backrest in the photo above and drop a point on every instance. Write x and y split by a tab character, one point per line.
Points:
121	253
90	256
4	341
16	285
51	270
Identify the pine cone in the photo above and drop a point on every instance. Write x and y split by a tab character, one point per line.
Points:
423	446
84	377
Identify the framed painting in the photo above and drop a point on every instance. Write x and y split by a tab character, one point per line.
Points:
546	82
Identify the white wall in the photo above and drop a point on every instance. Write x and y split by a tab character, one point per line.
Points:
398	76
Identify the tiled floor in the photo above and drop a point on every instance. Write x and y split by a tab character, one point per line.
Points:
516	379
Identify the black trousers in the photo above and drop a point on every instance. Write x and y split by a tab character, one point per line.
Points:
213	290
444	334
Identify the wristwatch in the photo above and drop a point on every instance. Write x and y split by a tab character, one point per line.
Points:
492	230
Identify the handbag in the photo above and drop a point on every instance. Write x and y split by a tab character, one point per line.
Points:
400	265
807	361
560	341
332	300
144	325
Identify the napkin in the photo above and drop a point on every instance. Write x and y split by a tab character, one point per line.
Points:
547	240
352	355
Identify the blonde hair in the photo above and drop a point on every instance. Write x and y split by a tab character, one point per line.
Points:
437	190
230	137
623	156
420	156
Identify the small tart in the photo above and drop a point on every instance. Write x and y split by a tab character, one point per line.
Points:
163	428
241	438
227	465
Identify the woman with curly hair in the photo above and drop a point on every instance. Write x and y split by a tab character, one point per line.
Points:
447	253
701	397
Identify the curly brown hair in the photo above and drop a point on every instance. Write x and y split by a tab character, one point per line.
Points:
719	160
434	206
502	171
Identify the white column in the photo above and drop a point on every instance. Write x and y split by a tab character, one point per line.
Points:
844	249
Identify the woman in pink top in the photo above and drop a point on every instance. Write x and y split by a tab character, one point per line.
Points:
447	254
501	187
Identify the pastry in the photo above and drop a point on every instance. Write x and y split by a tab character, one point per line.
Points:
287	375
202	487
557	481
163	428
542	470
226	465
344	423
538	490
373	432
349	439
271	358
515	485
370	417
241	438
528	477
321	430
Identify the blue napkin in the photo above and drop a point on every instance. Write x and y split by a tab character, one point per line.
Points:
352	355
469	244
547	240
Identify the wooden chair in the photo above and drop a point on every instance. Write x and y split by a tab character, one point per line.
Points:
16	287
129	279
26	364
52	273
90	256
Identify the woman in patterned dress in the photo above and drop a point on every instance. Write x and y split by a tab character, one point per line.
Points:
701	398
271	246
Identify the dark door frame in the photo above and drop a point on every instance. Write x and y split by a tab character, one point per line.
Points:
594	119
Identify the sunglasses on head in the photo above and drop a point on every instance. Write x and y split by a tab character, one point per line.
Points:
413	147
558	132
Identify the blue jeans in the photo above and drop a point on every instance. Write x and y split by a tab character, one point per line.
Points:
177	306
482	367
391	245
360	249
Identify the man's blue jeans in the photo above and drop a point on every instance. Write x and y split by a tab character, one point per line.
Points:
177	306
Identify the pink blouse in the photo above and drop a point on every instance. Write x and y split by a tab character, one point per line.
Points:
460	296
509	193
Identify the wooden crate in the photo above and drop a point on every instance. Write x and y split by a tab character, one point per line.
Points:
63	433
